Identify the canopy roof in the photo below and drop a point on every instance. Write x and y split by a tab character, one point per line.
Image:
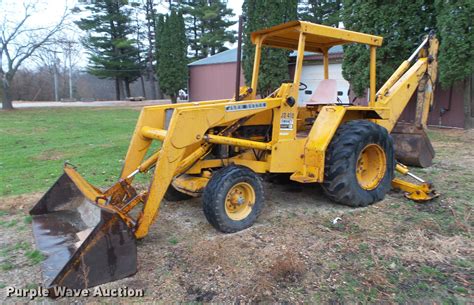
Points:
318	38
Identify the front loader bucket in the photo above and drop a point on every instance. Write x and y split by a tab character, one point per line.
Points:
412	145
84	244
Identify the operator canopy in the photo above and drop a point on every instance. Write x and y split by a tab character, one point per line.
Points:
319	38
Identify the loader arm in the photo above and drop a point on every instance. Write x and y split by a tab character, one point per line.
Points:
157	117
188	127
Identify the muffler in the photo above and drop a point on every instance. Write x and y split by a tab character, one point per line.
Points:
84	243
412	145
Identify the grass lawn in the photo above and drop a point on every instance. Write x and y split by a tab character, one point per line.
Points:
35	144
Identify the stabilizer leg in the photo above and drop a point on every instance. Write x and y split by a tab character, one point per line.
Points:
419	192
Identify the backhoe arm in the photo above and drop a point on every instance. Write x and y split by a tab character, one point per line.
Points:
418	71
412	144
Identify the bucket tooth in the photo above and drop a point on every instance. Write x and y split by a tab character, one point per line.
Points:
84	244
412	145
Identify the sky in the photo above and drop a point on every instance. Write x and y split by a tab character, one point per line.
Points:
49	12
52	10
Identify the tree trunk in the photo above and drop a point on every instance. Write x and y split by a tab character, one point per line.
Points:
122	89
143	86
127	88
151	18
7	100
159	93
196	53
151	82
174	98
117	89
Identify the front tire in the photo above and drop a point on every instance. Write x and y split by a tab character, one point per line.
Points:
359	164
233	199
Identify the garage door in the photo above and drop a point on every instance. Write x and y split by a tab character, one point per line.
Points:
312	75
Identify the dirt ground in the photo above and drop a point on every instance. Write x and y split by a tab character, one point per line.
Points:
395	251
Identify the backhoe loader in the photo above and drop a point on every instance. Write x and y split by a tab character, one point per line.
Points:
219	149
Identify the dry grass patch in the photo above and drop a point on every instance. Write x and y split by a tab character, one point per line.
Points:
49	155
288	268
425	247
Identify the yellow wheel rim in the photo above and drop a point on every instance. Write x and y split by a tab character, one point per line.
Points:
371	166
239	201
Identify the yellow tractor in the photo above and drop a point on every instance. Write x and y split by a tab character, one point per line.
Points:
219	149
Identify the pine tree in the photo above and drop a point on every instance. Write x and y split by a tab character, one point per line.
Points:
325	12
112	52
215	24
171	52
274	62
454	27
207	25
192	15
149	10
401	23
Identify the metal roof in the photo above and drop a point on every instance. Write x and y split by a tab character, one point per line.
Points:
318	37
219	58
231	56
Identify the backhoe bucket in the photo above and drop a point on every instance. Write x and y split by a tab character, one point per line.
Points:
84	244
412	145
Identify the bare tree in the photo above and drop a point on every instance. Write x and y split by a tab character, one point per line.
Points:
18	42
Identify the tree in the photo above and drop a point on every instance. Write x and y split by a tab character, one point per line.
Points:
172	50
18	42
207	26
325	12
401	32
150	17
274	62
145	27
139	42
112	51
454	27
192	14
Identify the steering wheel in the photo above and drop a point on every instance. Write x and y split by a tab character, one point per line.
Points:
302	86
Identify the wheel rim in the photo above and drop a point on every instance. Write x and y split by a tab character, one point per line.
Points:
371	166
239	201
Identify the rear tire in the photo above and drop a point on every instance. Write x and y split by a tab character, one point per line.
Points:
233	199
359	164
